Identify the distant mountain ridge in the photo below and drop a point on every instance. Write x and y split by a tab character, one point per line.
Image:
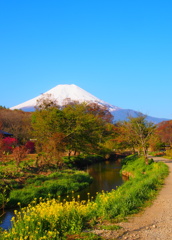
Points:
63	92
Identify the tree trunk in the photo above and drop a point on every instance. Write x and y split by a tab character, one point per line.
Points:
69	154
145	155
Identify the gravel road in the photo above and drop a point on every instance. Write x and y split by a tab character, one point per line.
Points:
155	223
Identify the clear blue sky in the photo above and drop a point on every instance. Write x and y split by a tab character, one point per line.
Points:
118	50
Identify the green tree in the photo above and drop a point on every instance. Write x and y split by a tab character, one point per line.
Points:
136	133
73	128
45	123
84	131
141	131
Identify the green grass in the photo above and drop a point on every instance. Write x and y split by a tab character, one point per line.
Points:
53	185
109	227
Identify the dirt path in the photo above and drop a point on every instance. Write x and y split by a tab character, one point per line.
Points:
155	223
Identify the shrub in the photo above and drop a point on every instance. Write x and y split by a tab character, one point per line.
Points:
30	146
9	143
19	153
169	153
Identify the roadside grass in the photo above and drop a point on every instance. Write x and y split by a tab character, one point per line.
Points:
52	219
109	227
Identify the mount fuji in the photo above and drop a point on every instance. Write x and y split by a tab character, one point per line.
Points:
64	92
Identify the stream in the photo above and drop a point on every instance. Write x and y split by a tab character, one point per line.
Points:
106	176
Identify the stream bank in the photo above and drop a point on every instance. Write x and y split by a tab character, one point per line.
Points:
106	176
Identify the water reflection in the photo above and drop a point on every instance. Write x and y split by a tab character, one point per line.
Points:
106	176
6	219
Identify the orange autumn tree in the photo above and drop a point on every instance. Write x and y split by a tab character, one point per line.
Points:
124	140
164	131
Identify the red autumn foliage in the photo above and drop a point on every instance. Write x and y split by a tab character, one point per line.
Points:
100	111
8	144
30	146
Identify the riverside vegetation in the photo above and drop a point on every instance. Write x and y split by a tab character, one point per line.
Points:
53	219
75	131
27	181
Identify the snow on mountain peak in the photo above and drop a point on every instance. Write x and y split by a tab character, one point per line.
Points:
61	93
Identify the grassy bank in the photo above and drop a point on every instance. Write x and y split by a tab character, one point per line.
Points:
31	180
55	184
51	219
82	161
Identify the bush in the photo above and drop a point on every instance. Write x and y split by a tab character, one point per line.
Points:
169	153
30	146
8	143
19	153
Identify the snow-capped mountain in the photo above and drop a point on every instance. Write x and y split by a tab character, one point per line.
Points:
62	93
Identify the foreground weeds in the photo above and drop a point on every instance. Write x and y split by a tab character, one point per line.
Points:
52	219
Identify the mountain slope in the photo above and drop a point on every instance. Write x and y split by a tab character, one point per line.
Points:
123	114
62	93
